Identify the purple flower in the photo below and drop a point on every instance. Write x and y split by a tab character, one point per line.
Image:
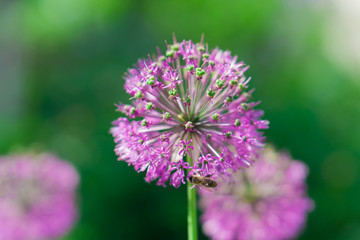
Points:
265	202
37	197
191	102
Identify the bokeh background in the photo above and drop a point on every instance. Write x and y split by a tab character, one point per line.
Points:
61	69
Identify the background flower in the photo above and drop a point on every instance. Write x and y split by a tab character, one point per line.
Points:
37	198
194	102
267	201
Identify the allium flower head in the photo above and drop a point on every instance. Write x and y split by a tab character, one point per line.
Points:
37	199
191	102
266	202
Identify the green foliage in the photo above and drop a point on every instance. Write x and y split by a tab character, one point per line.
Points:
64	61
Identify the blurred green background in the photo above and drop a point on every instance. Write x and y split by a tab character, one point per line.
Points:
61	69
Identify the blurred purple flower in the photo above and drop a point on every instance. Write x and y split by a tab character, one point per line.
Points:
266	202
37	197
193	102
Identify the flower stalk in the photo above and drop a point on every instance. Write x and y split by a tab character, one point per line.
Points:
192	210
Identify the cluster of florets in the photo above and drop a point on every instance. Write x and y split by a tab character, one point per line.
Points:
37	197
265	202
193	103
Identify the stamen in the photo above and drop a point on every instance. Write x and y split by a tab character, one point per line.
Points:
155	128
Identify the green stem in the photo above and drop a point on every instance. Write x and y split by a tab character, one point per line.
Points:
192	213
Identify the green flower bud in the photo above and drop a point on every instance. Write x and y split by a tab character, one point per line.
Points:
241	87
233	82
190	67
175	47
139	94
200	71
200	48
187	101
163	137
211	93
220	83
170	53
144	123
228	135
237	123
149	106
189	126
229	99
166	116
162	58
215	117
205	55
150	81
244	106
173	92
246	95
132	110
